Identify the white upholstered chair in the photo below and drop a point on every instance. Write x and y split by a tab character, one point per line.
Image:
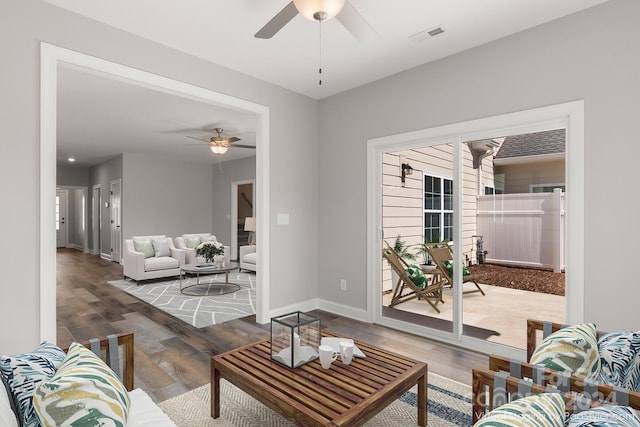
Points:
188	242
248	258
161	259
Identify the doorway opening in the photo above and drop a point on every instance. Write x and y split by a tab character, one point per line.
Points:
242	207
53	57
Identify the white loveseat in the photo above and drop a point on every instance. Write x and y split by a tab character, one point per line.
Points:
156	264
187	243
248	258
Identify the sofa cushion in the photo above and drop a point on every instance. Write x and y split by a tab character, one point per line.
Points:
145	246
572	349
544	410
250	258
8	416
160	263
605	416
84	392
144	412
620	359
24	372
161	248
192	241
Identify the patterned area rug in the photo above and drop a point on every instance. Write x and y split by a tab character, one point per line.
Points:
199	311
449	405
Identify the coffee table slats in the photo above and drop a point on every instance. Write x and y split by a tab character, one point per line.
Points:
333	398
274	399
345	395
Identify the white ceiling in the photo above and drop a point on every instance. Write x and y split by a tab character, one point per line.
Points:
123	117
99	118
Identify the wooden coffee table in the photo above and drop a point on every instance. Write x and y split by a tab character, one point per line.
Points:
344	395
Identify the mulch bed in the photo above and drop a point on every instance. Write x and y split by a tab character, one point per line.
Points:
528	279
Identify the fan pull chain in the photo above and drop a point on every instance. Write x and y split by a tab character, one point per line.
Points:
320	59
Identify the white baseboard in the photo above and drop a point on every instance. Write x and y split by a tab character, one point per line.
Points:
308	305
318	304
105	256
343	310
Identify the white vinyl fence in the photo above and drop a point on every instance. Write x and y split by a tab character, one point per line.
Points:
523	229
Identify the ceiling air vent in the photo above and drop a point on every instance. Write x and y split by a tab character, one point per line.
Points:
424	35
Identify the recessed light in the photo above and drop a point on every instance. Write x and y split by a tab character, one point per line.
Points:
71	159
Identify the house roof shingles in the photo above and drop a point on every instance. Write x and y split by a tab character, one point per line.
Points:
532	144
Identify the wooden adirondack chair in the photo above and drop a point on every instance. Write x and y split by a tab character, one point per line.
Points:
441	253
406	289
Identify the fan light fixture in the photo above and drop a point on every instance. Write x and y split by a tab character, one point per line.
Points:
219	149
319	10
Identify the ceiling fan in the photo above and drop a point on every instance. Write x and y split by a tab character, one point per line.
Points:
320	10
220	145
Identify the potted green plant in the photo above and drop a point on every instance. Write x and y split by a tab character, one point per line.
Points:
210	251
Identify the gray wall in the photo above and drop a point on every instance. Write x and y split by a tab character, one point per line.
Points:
237	170
165	195
72	175
293	135
102	175
589	55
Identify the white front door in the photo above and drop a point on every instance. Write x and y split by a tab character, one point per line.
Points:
116	218
61	219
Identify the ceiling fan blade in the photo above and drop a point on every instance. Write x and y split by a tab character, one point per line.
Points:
233	139
199	139
242	146
277	22
351	19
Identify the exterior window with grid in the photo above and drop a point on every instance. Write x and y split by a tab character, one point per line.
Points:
438	209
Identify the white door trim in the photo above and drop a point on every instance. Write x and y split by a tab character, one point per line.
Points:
53	56
569	115
96	218
234	212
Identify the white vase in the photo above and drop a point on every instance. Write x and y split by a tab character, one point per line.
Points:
219	261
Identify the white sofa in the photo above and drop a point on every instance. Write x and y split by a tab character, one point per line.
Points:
190	256
143	412
248	258
140	266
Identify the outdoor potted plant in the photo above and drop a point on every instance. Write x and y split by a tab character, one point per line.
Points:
211	251
400	247
427	262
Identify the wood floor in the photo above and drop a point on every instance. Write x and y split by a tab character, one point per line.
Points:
172	357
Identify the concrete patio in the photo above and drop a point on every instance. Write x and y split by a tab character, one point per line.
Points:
502	309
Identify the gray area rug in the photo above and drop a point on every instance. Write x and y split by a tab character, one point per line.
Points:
199	311
449	405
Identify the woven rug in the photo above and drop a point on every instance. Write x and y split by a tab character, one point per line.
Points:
198	311
449	405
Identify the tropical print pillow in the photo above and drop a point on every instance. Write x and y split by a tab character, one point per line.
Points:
417	276
538	410
24	372
605	416
572	349
620	359
84	392
448	264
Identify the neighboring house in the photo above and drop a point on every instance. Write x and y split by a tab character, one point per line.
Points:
420	210
531	163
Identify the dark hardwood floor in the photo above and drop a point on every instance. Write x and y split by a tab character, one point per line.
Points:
172	357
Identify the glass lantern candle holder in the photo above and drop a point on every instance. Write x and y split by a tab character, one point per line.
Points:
295	338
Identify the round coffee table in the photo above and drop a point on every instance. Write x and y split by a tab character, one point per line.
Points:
212	289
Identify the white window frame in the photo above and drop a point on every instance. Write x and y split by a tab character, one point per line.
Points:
442	211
